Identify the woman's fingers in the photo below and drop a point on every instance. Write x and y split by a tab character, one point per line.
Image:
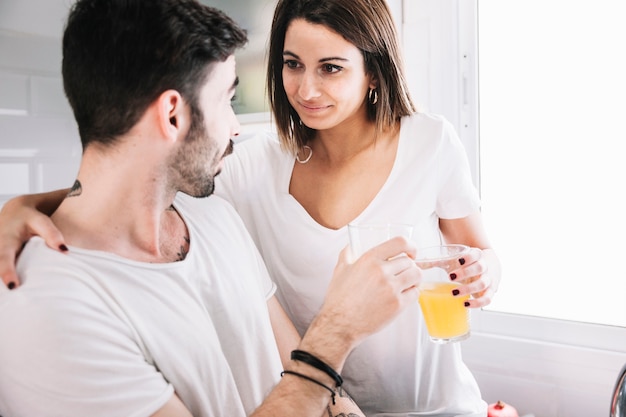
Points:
41	225
18	224
473	275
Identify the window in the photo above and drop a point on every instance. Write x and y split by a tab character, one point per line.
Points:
256	18
552	94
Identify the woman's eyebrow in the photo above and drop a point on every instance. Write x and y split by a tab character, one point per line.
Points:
330	58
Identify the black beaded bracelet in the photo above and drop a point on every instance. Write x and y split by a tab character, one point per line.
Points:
306	357
308	378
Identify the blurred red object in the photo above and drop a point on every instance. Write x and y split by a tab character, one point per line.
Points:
501	409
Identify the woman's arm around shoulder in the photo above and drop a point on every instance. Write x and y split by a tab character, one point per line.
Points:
22	218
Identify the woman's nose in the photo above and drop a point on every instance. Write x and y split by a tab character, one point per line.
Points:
309	86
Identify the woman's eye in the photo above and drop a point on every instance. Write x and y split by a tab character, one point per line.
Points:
330	68
290	63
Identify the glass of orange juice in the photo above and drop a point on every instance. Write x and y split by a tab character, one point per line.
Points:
446	317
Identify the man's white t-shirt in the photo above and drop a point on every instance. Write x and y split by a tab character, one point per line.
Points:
398	371
94	334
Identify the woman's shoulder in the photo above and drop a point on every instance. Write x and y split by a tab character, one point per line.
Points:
254	155
254	162
428	135
426	121
261	144
424	128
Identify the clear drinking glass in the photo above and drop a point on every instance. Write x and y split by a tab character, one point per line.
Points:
447	318
364	236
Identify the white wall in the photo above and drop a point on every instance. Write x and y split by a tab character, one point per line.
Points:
39	146
551	368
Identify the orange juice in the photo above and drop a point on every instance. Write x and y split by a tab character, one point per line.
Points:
446	315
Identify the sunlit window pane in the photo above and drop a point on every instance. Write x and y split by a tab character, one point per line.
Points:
552	81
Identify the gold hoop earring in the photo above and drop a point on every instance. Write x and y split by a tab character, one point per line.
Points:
373	96
304	161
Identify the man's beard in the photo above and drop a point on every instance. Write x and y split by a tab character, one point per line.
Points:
193	176
207	189
209	186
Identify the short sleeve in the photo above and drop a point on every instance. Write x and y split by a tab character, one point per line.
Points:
68	352
458	197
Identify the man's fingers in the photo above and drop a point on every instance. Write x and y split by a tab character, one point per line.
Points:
394	247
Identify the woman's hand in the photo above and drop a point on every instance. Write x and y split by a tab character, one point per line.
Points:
20	220
479	272
479	275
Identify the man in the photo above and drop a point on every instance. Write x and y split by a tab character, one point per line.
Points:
162	306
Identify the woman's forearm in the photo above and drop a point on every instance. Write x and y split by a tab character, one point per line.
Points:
46	202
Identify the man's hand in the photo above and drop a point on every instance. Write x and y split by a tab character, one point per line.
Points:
370	292
362	298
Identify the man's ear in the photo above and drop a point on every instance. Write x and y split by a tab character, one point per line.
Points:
173	115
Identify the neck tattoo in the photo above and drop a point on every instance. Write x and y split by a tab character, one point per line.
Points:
77	189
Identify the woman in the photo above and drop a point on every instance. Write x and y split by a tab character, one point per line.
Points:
352	148
341	105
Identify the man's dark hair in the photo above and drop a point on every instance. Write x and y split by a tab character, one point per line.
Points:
120	55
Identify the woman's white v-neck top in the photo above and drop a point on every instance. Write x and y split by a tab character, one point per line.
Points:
398	371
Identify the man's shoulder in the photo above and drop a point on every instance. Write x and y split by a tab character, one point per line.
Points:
48	277
54	286
40	267
51	299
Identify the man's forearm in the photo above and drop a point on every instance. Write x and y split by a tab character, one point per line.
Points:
362	297
305	390
299	396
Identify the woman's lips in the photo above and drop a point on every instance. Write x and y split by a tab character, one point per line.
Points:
313	108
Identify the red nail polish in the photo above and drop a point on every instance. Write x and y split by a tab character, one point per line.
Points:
455	292
63	248
466	304
462	261
453	276
11	285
